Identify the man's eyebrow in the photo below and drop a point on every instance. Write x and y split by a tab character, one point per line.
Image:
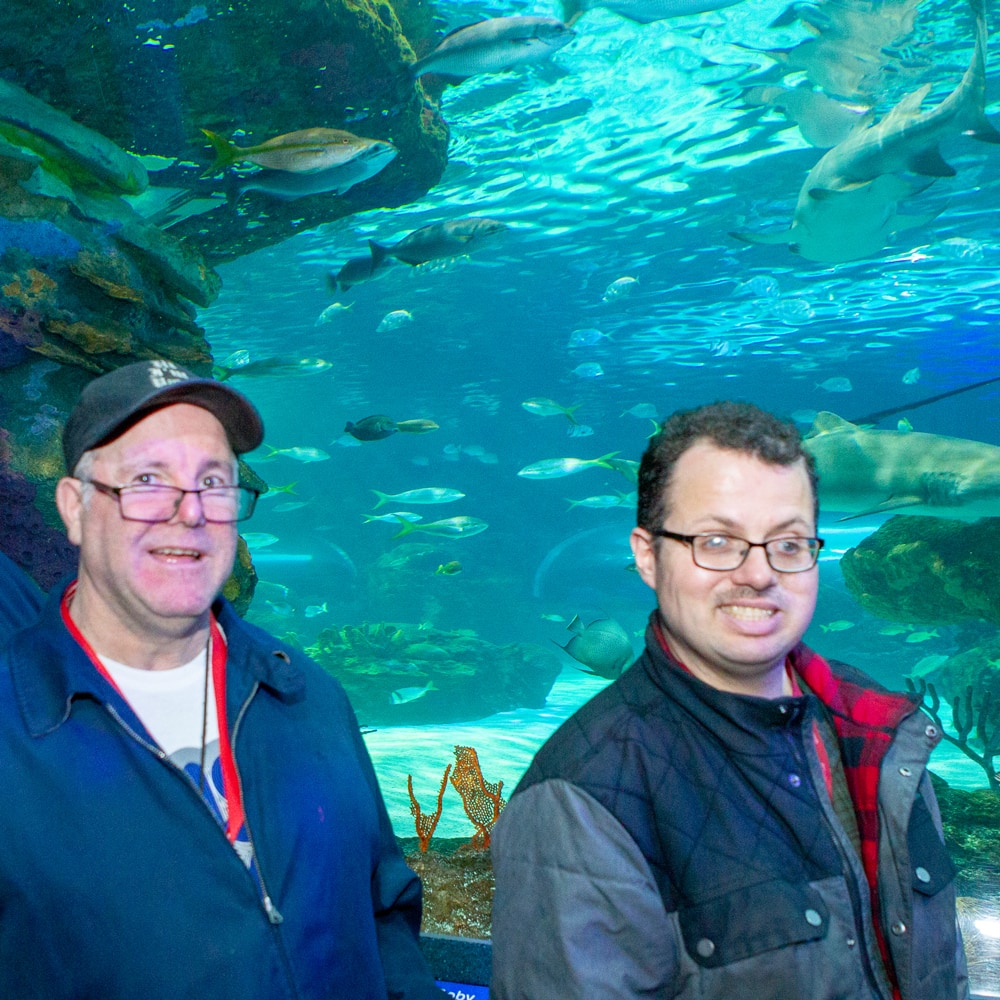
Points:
139	462
730	525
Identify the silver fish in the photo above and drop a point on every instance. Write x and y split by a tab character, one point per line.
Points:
462	526
403	695
494	45
287	186
427	494
441	239
555	468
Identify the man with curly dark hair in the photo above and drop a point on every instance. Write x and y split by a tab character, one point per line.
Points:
735	816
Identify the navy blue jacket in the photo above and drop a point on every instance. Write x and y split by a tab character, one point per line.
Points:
117	882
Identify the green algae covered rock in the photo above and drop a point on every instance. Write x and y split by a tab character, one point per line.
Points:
149	78
927	569
402	674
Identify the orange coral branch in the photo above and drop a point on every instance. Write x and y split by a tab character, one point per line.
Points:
480	798
426	824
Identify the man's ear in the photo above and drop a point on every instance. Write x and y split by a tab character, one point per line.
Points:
644	551
69	501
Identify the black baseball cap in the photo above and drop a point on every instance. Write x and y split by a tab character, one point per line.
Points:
112	403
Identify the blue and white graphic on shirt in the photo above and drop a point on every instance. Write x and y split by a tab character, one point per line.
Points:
172	707
188	759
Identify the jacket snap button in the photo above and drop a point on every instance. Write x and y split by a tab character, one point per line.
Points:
794	780
813	918
898	927
931	731
923	874
905	772
705	948
852	942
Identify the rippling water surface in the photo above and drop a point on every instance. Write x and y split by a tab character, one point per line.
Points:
635	155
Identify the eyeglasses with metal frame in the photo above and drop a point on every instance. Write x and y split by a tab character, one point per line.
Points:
723	553
154	503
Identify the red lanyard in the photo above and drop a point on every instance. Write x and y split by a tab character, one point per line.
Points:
217	645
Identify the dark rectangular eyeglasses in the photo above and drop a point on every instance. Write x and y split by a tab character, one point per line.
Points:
714	550
157	502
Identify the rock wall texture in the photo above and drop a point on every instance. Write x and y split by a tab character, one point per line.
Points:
110	217
931	570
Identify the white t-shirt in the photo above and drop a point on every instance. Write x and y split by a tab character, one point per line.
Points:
171	705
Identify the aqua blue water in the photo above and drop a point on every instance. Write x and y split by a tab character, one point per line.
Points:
639	161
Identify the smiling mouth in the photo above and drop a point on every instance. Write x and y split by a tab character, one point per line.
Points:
178	553
748	613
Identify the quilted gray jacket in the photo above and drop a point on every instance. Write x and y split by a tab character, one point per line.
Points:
669	842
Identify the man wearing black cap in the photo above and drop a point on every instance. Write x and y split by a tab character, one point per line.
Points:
187	808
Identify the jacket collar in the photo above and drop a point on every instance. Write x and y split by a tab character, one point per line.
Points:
743	720
49	670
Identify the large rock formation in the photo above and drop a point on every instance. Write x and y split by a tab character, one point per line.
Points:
150	76
95	271
930	570
402	674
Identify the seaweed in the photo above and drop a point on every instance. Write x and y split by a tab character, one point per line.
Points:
985	720
426	822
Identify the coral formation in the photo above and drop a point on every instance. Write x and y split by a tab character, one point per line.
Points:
436	675
481	799
980	712
426	823
38	548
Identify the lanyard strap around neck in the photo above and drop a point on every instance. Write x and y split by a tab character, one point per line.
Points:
218	653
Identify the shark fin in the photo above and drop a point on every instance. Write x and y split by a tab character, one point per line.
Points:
930	163
983	131
785	236
909	106
827	422
901	222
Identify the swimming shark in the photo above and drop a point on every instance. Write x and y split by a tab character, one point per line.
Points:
837	226
905	139
863	471
859	175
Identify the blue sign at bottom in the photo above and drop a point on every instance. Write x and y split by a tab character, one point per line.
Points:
461	991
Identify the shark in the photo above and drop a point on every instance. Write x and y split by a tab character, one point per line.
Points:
905	140
866	471
833	227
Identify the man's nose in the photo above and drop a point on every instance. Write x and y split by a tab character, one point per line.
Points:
190	510
756	571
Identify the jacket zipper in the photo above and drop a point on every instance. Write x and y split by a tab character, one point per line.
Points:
273	914
271	911
845	862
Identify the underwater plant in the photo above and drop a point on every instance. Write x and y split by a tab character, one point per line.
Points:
480	798
965	716
426	822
